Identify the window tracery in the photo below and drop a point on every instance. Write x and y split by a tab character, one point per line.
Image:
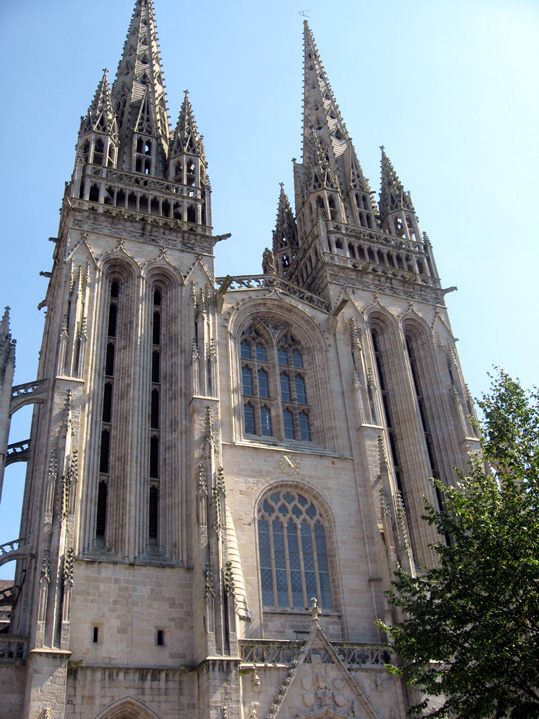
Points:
293	553
274	386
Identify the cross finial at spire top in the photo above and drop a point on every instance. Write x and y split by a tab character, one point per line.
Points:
303	13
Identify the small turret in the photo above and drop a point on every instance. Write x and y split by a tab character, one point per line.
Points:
7	349
397	214
7	369
187	166
98	137
285	235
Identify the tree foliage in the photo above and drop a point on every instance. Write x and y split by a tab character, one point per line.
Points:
469	633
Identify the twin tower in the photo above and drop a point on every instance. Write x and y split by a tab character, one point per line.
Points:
223	473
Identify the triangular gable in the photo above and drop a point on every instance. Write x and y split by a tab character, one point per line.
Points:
319	684
198	270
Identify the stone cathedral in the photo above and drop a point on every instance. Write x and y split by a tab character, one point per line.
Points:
223	472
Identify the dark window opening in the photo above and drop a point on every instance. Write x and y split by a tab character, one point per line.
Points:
153	513
157	328
160	638
104	452
107	402
101	515
109	360
154	457
113	315
156	367
155	410
95	635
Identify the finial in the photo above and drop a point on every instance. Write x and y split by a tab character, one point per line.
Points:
303	14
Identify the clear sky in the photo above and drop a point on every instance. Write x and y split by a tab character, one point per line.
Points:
449	87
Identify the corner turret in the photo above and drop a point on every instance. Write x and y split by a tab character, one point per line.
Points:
7	369
397	214
97	143
285	235
187	166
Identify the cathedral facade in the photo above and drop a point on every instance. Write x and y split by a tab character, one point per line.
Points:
223	473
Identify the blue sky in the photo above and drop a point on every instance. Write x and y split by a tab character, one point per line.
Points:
448	87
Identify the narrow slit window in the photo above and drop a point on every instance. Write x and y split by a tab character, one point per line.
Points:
101	515
154	457
156	367
153	513
109	360
157	328
105	452
155	409
107	402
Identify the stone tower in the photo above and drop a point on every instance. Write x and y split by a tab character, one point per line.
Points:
223	472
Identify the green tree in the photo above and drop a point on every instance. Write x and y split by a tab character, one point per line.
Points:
469	633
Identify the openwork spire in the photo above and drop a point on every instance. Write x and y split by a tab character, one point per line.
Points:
285	235
138	93
186	137
330	163
392	194
100	116
321	113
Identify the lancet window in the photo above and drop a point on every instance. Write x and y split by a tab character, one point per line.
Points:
293	551
388	406
143	156
274	386
155	421
107	412
412	350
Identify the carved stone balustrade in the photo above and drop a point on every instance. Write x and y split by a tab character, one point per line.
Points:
252	282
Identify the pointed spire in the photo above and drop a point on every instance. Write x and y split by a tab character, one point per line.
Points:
392	194
139	91
186	137
320	110
4	324
285	235
330	163
7	346
100	116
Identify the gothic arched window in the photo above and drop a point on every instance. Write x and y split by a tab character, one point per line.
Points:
292	383
274	386
293	552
